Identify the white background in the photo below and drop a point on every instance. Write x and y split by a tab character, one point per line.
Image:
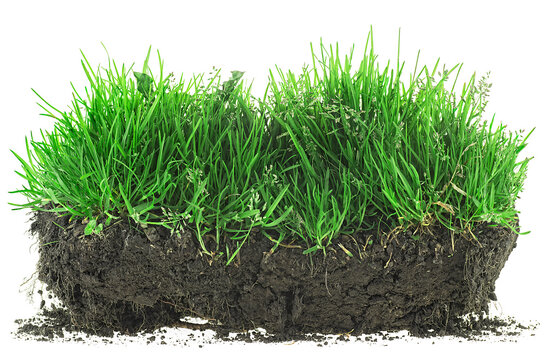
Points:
40	43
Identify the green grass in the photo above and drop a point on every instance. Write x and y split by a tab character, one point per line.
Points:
339	147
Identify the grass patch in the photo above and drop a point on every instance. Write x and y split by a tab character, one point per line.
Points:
339	147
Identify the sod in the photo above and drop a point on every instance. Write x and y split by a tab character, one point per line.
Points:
342	200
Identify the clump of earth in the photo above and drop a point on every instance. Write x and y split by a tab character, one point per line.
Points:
133	280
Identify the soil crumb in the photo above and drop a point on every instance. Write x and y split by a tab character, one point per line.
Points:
54	325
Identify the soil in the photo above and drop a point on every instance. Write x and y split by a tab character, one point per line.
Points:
130	279
54	324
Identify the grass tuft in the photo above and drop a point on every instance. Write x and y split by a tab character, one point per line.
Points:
340	147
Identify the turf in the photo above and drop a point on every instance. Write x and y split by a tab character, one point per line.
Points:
338	147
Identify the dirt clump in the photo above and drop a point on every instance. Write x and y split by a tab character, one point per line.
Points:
131	279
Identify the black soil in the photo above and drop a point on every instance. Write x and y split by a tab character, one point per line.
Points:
130	279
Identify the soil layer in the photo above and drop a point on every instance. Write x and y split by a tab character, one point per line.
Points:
129	279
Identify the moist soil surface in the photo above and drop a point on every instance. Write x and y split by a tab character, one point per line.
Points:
130	279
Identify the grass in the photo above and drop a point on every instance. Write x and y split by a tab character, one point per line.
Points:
341	146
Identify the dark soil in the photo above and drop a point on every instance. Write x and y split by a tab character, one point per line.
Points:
55	325
130	279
